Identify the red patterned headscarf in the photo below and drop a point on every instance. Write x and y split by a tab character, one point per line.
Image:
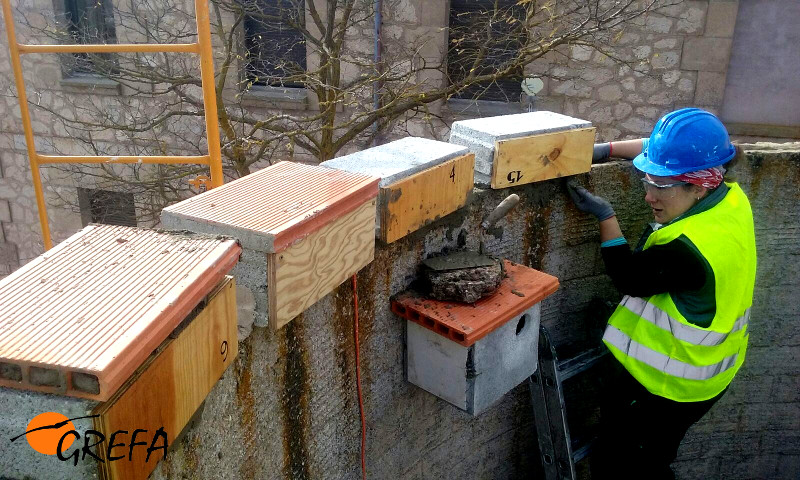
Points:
708	178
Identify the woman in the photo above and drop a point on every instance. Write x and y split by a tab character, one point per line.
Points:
679	334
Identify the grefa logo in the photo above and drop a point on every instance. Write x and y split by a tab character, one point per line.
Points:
52	433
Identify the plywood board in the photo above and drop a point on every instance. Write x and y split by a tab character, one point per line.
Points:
168	389
413	202
308	270
542	157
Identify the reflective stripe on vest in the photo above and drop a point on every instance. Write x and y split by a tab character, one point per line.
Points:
681	331
676	368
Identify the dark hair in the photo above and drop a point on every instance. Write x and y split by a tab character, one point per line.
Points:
730	176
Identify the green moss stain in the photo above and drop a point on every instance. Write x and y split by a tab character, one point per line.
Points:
294	403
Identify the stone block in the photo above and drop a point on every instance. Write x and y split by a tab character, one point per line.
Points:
9	254
721	19
666	43
582	53
693	18
664	60
245	311
710	88
658	23
609	93
433	14
706	54
5	211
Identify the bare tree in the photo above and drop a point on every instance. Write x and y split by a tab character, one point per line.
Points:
317	48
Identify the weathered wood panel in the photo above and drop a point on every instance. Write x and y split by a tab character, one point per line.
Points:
169	387
542	157
413	202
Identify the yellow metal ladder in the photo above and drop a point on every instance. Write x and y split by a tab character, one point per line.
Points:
202	47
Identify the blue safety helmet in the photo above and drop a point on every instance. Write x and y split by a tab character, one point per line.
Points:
683	141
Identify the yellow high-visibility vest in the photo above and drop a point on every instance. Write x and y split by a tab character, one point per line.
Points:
667	354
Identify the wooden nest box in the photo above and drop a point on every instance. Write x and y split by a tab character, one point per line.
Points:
121	329
304	229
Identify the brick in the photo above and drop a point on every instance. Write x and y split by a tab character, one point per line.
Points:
706	54
721	19
710	88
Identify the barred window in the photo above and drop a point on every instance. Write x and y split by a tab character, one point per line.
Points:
103	206
275	47
88	21
476	25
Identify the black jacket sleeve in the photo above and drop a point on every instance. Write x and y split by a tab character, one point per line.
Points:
673	267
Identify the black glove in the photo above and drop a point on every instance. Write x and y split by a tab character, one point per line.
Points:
601	151
586	202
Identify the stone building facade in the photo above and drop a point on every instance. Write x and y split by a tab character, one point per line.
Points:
676	57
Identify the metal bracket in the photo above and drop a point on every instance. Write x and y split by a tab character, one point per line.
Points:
201	183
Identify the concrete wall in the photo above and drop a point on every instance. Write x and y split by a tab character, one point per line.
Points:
288	407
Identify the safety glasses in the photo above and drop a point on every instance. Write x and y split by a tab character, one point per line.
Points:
661	190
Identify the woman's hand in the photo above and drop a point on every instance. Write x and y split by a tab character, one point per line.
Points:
592	204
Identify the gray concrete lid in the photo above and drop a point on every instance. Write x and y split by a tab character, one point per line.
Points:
517	125
397	160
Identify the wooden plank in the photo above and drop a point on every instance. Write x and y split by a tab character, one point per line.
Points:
413	202
541	157
308	270
170	386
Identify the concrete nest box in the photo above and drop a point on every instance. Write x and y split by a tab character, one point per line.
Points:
470	355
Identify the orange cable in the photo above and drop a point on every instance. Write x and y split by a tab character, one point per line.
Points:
358	384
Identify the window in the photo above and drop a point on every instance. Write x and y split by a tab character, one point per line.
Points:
103	206
88	21
275	48
474	25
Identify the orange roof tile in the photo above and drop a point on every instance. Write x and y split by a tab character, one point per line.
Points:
466	323
95	306
284	202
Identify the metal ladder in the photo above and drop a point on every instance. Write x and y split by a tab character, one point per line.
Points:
556	451
201	47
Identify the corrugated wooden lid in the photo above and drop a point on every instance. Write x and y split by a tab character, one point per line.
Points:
466	323
79	319
272	208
